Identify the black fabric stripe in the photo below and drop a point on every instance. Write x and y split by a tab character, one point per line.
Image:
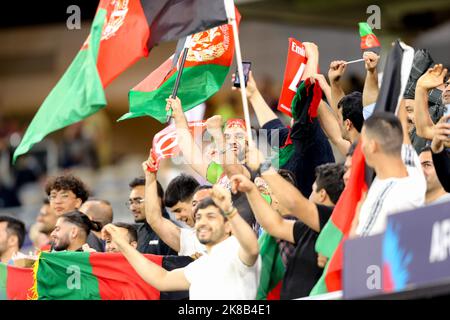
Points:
173	19
170	263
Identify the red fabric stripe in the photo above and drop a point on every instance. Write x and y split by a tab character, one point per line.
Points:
124	39
344	211
117	280
333	278
275	293
18	283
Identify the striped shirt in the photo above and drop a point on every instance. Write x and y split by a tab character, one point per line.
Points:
393	195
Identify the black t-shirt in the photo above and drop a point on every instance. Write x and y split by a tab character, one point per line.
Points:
149	241
302	271
95	243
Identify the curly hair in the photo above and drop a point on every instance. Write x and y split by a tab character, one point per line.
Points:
70	183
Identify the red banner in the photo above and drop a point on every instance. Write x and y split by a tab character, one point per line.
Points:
165	143
295	67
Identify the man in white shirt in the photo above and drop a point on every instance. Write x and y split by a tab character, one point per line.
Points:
230	269
400	184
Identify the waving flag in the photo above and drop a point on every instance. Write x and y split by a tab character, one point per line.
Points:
368	39
208	62
331	238
122	32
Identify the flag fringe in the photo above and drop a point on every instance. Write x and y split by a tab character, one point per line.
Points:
34	295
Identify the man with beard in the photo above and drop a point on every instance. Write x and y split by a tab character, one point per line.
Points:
148	240
231	144
71	231
12	236
46	221
230	269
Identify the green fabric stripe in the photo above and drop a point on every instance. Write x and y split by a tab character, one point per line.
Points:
364	29
3	279
66	276
272	270
329	239
77	95
197	85
320	287
214	172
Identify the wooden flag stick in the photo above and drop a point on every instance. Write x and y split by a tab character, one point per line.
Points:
232	20
354	61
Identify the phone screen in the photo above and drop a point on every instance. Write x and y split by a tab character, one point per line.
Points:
246	65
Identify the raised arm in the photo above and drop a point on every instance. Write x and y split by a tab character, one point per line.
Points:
164	228
335	73
429	80
332	129
441	158
249	249
268	218
370	91
153	274
191	152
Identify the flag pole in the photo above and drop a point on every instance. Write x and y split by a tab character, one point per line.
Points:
177	81
232	21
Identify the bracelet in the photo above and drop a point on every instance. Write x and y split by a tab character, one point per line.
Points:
229	215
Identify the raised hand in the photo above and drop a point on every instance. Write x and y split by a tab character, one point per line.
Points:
371	61
320	78
113	233
222	198
240	183
251	88
441	135
214	124
432	78
150	166
175	104
336	71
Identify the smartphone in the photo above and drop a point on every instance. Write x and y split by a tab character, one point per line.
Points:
246	65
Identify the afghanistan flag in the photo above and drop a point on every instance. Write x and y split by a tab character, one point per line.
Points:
137	25
95	276
331	238
15	282
368	38
208	62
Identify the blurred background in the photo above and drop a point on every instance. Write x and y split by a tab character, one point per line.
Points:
36	47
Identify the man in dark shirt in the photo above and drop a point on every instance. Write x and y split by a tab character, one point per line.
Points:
102	212
148	240
302	271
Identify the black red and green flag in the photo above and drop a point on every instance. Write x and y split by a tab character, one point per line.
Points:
336	231
368	39
136	25
210	55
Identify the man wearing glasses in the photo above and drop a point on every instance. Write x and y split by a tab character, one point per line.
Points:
148	240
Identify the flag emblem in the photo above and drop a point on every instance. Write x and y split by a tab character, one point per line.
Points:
209	45
116	19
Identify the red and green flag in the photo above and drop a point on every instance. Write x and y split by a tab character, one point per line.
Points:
368	38
15	282
272	268
208	62
336	231
95	276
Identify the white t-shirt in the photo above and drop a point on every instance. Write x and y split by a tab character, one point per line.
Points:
393	195
189	243
221	275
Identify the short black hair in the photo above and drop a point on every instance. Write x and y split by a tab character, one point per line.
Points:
288	175
386	128
70	183
180	189
132	232
330	177
352	109
202	187
140	181
14	227
45	201
425	149
205	203
82	221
